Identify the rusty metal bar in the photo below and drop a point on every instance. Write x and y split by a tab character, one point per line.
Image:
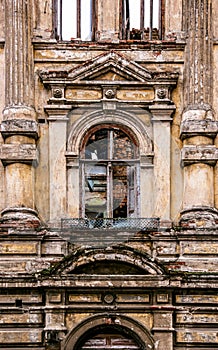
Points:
151	19
78	18
142	15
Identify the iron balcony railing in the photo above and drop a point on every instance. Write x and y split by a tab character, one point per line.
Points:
112	224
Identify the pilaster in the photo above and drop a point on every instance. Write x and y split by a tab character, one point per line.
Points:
162	118
19	127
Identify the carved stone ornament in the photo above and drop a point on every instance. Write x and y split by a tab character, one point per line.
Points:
162	93
110	93
57	93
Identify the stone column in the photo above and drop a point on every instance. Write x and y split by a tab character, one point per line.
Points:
198	126
19	127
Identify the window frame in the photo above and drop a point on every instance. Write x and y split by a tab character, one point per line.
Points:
125	14
131	164
58	20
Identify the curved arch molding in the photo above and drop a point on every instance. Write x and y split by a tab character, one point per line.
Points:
138	331
89	120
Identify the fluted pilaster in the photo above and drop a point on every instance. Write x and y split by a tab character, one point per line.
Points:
19	53
19	127
198	126
198	59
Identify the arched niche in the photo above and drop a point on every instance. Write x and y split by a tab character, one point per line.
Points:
117	323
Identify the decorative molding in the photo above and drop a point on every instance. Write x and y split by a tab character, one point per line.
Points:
22	153
206	127
207	154
199	217
19	127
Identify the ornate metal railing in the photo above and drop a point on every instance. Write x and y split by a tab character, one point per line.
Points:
115	224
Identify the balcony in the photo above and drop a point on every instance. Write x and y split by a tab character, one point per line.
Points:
112	224
105	231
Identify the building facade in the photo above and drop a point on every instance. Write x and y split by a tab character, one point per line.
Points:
108	174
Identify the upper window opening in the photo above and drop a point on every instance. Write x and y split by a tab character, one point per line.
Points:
74	19
110	174
142	19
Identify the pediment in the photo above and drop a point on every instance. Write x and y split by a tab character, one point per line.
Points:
117	261
109	67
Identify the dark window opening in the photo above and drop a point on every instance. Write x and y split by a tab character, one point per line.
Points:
110	175
74	19
142	19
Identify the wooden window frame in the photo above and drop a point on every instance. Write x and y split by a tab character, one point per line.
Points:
132	165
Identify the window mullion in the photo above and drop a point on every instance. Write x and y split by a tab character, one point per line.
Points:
109	191
83	179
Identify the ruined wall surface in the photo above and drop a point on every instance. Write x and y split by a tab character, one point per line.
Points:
148	280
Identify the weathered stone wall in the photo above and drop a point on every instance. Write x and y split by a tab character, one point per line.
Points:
59	283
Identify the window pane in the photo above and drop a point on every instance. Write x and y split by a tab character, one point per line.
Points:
86	20
69	19
156	13
95	191
147	14
134	10
97	145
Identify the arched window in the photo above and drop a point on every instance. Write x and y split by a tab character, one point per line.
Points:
74	19
109	174
142	19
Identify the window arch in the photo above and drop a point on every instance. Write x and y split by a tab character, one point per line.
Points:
109	160
142	19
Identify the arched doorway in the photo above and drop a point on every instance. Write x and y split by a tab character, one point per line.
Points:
109	332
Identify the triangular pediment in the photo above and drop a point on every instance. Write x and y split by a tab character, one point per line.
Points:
110	67
107	68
